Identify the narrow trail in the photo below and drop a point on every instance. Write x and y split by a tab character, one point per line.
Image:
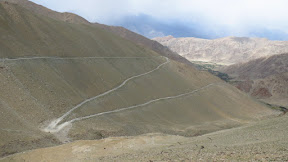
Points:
140	105
53	125
57	128
69	58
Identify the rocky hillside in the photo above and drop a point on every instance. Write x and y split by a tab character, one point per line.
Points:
120	31
64	81
265	78
229	50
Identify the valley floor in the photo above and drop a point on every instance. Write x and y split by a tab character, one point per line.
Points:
265	140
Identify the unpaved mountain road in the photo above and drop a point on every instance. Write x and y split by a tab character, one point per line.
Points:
54	127
140	105
70	58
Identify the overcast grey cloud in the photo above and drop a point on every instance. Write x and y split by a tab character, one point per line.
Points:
237	15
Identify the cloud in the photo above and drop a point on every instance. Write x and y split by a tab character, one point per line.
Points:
235	14
93	10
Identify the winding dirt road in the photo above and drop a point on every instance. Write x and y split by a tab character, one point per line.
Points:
69	58
54	127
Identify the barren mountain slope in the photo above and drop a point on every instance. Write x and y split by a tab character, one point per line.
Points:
229	50
265	78
61	82
124	33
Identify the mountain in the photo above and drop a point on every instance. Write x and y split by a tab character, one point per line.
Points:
228	50
124	33
66	80
265	78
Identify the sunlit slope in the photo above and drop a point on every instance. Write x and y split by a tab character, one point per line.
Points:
49	67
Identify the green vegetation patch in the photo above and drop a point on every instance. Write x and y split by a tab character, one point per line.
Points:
212	68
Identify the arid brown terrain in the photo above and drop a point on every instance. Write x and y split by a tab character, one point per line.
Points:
64	79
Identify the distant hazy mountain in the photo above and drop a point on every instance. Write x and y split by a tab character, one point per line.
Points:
228	50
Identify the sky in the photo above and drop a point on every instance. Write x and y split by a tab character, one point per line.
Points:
237	16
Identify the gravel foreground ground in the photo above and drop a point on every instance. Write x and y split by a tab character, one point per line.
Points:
262	141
